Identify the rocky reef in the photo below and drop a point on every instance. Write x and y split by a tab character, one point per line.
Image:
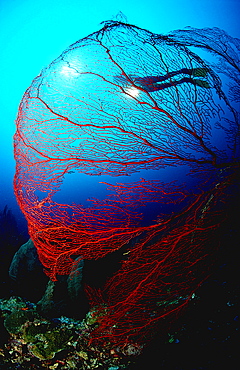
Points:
61	343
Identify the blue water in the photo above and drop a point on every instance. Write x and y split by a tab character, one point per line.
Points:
32	34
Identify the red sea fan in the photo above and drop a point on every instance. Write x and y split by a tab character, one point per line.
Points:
126	110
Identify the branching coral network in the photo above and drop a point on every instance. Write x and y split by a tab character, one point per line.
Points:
123	108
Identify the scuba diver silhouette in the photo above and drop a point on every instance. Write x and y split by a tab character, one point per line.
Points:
155	83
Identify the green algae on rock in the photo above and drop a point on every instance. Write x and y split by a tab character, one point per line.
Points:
43	341
14	322
43	338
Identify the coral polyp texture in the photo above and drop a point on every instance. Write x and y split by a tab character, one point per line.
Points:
115	119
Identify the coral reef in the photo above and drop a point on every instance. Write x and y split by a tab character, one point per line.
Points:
138	122
61	343
44	340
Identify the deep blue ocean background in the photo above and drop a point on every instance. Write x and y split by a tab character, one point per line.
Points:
32	35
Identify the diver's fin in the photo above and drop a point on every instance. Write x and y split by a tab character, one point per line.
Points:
201	83
199	72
